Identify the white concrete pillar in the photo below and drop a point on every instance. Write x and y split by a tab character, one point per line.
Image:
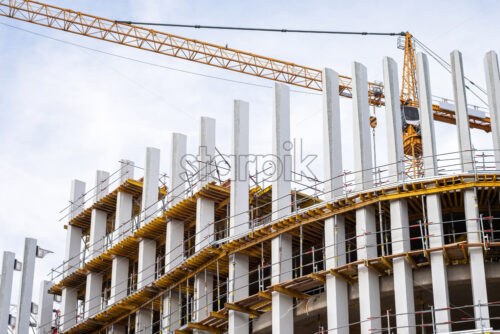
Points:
433	201
117	329
145	276
400	234
493	86
336	288
175	228
123	228
206	151
149	203
98	220
239	217
69	306
101	185
369	291
205	207
205	216
174	245
124	204
281	246
126	170
8	261
172	311
203	289
93	292
73	233
26	290
45	308
119	279
478	280
147	248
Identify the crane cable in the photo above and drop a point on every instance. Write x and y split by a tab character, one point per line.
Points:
303	31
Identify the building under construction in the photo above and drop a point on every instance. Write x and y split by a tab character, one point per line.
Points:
408	247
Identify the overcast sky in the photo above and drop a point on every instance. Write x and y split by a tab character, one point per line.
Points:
66	111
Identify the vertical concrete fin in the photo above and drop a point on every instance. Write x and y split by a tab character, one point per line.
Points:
461	114
45	307
150	185
239	170
177	168
393	119
126	170
101	184
332	135
206	151
493	85
6	289
26	289
361	120
426	116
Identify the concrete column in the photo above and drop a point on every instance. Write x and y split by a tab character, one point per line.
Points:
400	234
123	226
150	185
145	276
493	86
478	280
369	291
124	204
68	308
238	223
26	291
205	216
433	201
205	207
203	289
206	151
101	185
8	261
117	329
336	288
281	246
174	251
73	233
172	312
93	292
147	248
175	228
98	219
45	308
119	279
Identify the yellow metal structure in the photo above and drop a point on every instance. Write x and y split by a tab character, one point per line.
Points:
200	52
409	95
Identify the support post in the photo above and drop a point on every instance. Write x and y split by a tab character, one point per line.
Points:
174	245
24	305
98	217
433	201
336	288
45	308
400	234
147	247
369	290
8	262
123	228
205	217
477	270
239	217
493	86
72	255
281	246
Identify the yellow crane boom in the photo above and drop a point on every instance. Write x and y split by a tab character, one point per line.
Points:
197	51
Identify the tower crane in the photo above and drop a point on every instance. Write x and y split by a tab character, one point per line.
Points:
147	39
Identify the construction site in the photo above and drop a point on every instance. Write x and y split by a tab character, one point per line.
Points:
220	244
